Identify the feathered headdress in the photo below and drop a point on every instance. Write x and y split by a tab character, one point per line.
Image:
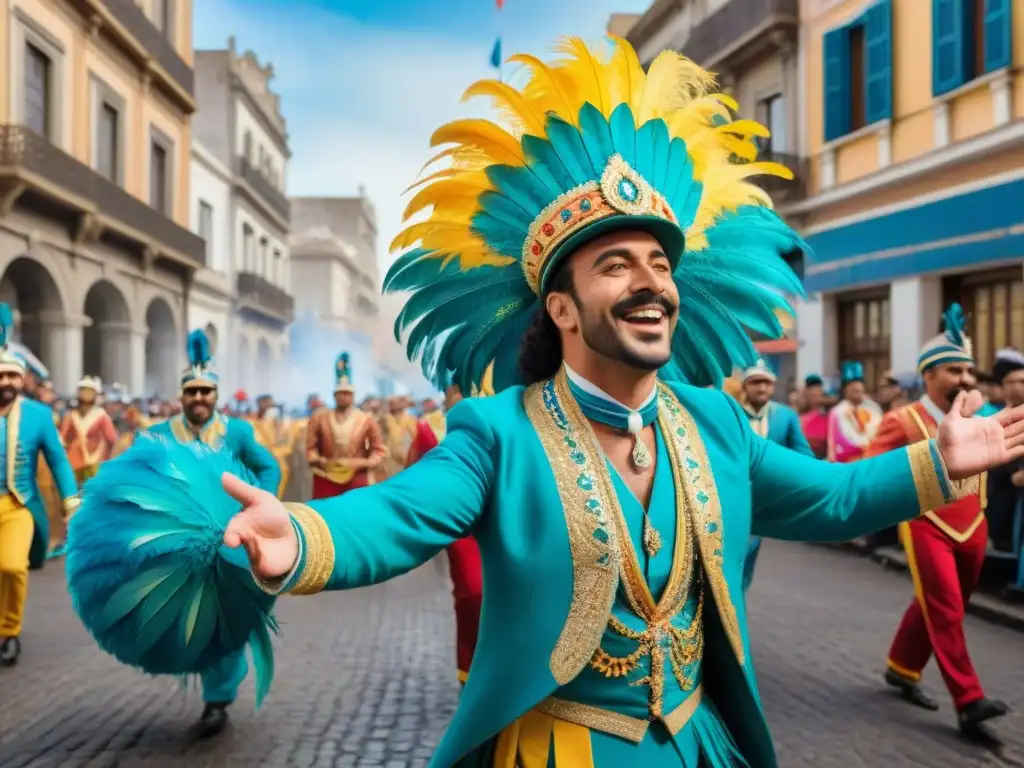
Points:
10	362
952	346
343	374
201	371
851	371
592	144
147	570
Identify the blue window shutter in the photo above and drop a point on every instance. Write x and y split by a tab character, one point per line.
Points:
878	62
948	70
997	34
836	65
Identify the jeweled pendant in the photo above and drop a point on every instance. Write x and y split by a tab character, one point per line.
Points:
652	539
641	456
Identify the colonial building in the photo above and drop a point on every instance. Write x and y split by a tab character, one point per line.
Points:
240	125
916	148
211	302
752	45
337	284
95	251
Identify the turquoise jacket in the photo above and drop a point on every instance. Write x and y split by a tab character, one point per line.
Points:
784	428
518	472
30	430
233	435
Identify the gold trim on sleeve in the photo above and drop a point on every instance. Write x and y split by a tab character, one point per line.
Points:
927	482
319	565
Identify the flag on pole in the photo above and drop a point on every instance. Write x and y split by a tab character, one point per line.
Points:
496	54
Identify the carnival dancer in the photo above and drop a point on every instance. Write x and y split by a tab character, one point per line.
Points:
464	565
814	420
26	430
343	445
609	229
271	433
772	421
88	431
199	421
853	421
945	547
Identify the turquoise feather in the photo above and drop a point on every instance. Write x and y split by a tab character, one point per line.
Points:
955	324
6	324
851	371
147	570
623	128
198	348
596	135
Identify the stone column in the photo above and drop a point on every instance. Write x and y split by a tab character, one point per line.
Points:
63	334
816	326
137	354
116	354
915	309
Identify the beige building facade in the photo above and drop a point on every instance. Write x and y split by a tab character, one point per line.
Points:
96	256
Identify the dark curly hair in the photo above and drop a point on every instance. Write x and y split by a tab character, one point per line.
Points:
540	353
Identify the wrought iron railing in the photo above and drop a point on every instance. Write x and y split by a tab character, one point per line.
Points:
153	40
259	293
274	197
732	22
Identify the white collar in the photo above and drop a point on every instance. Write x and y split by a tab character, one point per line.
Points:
596	391
933	410
758	414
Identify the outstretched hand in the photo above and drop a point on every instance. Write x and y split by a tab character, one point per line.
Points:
263	527
970	446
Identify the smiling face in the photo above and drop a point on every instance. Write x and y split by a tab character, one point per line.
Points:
623	304
198	403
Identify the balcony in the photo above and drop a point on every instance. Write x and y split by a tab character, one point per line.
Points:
128	26
741	31
258	295
36	173
256	185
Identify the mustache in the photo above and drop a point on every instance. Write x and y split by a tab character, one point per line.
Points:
645	298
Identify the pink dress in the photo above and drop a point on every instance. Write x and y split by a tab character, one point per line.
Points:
815	426
851	428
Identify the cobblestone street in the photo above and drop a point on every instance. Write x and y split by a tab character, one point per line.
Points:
366	679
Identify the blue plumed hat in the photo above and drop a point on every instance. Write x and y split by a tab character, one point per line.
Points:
592	145
851	371
343	374
952	346
201	371
10	361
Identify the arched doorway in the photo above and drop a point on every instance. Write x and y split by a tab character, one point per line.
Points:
106	342
32	293
162	353
213	336
264	373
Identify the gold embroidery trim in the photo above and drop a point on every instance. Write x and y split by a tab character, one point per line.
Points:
594	558
926	477
606	721
13	428
319	565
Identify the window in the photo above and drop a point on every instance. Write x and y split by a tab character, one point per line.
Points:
261	267
248	249
858	72
771	113
159	177
108	143
278	268
864	334
247	145
38	90
970	38
163	17
205	222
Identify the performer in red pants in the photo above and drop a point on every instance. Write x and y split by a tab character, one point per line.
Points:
945	547
463	558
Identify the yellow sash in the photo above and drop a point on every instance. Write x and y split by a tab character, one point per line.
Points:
337	472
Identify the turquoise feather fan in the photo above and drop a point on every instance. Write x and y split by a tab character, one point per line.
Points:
147	570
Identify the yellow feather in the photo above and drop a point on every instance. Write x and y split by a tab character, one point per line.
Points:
423	230
546	89
448	192
584	67
510	104
673	81
444	173
625	74
501	146
746	128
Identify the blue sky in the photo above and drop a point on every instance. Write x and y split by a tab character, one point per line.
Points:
364	84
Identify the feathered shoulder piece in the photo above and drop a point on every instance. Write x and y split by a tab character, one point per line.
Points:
198	348
587	144
147	571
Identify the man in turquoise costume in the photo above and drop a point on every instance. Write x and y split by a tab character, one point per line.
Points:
606	234
772	421
26	430
199	420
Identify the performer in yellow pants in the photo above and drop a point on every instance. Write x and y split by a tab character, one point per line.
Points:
16	529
